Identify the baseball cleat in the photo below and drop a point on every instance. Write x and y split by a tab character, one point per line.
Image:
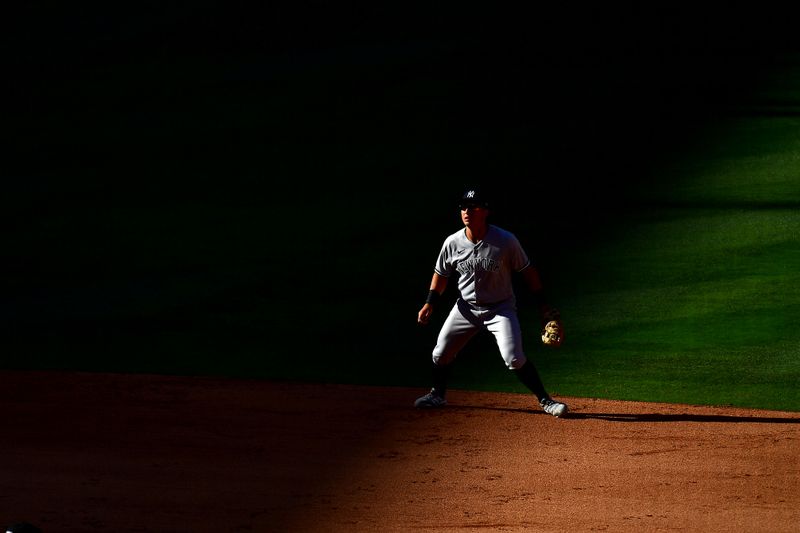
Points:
553	407
432	399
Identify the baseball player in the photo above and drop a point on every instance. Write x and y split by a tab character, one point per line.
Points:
484	258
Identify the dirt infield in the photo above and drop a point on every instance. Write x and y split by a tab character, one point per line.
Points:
99	452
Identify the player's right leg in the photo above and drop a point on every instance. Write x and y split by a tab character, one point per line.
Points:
459	327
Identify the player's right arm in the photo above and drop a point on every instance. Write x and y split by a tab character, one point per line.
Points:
438	285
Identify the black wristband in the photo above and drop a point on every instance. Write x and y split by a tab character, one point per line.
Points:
433	297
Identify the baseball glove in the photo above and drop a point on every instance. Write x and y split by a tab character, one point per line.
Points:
553	331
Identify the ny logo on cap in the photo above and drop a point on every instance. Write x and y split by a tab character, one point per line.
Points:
470	194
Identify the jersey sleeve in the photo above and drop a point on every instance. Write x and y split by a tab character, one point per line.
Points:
517	258
444	265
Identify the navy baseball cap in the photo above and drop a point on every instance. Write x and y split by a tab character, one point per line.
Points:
473	196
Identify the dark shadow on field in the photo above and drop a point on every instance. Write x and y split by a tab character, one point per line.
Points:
657	417
641	417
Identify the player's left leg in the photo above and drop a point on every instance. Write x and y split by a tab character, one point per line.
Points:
504	325
507	332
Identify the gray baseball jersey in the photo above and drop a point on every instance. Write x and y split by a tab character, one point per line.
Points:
487	299
484	268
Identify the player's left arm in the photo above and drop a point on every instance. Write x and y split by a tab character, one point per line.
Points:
534	283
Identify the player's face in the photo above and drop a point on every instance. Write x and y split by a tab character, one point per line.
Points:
473	215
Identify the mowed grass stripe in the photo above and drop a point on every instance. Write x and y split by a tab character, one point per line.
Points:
693	295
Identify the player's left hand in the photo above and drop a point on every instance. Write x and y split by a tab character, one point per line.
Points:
552	328
553	334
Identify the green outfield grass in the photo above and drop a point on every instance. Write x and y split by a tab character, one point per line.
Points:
686	289
694	294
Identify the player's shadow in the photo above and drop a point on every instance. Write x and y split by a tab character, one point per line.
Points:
680	417
645	417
